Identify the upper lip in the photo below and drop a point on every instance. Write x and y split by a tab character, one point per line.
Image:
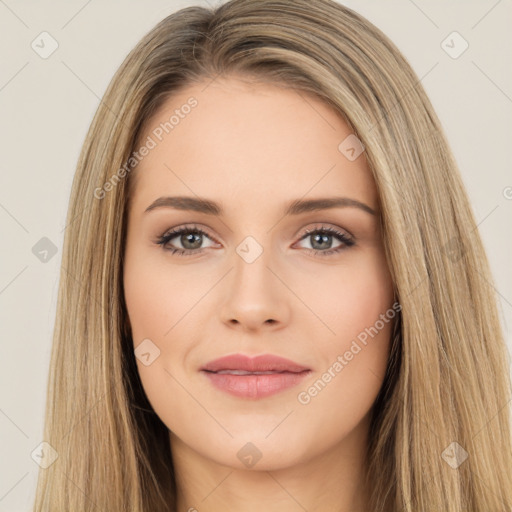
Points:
262	363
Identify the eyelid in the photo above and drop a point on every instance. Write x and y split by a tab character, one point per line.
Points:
326	226
176	231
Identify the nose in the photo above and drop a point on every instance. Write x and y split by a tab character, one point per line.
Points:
255	296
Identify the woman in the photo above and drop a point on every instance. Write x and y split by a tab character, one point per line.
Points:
210	351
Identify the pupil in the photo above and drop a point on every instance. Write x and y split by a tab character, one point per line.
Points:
323	239
189	238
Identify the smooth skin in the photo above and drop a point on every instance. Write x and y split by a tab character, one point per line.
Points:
254	148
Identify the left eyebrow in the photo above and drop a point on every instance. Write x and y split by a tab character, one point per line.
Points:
294	208
312	205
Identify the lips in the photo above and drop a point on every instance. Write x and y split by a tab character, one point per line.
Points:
239	364
254	377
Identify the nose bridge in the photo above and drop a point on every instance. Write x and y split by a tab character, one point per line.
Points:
251	266
254	296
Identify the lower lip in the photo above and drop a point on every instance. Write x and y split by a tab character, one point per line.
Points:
255	386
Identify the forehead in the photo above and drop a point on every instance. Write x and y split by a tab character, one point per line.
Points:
230	138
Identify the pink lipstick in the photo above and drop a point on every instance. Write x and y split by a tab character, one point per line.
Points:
254	377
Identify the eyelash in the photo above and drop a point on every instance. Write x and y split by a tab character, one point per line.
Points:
346	240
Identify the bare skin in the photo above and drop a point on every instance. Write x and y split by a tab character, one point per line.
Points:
255	148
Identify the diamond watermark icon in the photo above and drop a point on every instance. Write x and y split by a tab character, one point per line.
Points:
249	249
249	455
44	455
44	45
146	352
351	147
454	249
454	455
44	250
454	45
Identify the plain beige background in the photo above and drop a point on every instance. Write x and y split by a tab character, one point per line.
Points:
46	107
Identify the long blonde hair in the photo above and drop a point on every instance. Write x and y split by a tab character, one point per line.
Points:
440	434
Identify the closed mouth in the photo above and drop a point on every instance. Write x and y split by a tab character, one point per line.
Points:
243	372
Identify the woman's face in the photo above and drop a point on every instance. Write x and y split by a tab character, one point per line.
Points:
263	273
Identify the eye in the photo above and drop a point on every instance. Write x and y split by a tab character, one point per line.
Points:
191	239
321	241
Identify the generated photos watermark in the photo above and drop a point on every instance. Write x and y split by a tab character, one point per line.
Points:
157	135
304	397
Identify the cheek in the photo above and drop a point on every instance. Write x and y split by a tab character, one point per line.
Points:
357	304
156	299
157	303
349	298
